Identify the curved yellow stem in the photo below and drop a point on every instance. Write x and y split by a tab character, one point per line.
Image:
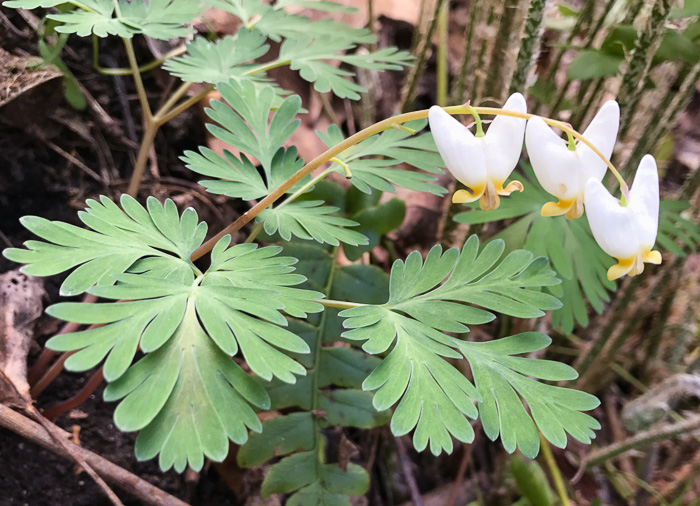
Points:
566	128
373	130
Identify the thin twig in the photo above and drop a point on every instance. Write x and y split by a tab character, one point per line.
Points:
408	473
112	473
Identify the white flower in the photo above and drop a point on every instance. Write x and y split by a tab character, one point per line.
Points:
481	163
627	233
563	172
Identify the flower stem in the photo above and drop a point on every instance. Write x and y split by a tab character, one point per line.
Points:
313	165
566	128
369	132
340	304
554	472
140	90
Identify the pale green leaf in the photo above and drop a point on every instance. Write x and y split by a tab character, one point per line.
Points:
218	61
373	162
502	380
117	240
310	219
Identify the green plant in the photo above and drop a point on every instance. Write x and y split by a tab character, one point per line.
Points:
252	332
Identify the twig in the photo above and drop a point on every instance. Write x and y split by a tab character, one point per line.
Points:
408	473
112	473
467	451
78	399
640	440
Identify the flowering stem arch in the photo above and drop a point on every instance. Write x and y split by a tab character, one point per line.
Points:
393	122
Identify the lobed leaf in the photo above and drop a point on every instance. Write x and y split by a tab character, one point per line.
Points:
310	219
118	238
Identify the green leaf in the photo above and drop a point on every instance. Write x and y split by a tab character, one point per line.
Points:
246	127
569	244
592	63
217	62
373	223
117	240
280	436
186	396
503	379
677	234
324	484
395	147
310	219
160	19
329	394
276	23
308	55
319	5
426	299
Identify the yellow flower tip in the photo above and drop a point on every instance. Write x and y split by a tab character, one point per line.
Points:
633	265
469	195
623	266
464	197
652	257
513	186
557	208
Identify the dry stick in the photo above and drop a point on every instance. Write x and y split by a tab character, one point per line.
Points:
50	375
408	473
467	451
641	57
640	440
495	80
527	56
112	473
24	402
460	84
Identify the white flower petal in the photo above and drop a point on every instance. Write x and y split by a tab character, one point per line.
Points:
644	200
613	226
602	133
551	159
504	140
460	150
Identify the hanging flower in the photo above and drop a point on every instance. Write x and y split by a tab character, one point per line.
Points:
627	233
481	163
563	172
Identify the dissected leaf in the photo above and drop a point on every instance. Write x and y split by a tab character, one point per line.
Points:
373	160
161	19
117	240
218	61
308	55
247	128
502	380
426	299
329	394
310	219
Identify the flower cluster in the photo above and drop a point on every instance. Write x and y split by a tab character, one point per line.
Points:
570	171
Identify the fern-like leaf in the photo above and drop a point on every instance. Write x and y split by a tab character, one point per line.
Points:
329	395
160	19
373	161
310	219
246	128
117	240
428	298
188	323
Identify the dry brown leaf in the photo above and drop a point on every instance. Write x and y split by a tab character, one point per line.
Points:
20	305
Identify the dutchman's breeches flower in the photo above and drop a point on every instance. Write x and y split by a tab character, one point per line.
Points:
627	233
481	163
563	171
